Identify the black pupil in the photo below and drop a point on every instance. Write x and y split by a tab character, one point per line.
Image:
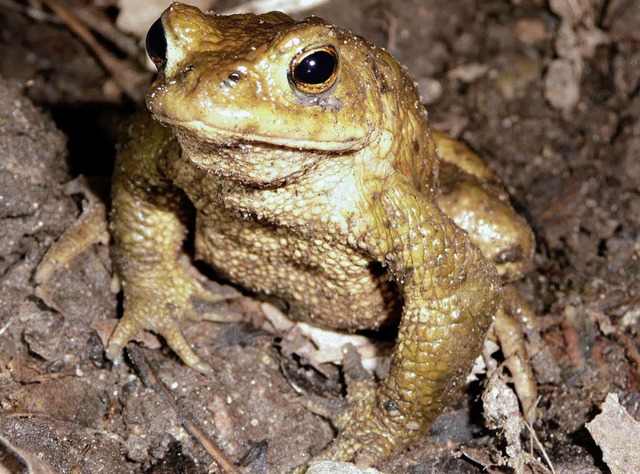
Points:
157	44
316	68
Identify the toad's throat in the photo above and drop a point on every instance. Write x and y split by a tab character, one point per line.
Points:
256	164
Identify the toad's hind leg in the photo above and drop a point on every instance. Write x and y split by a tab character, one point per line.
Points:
476	201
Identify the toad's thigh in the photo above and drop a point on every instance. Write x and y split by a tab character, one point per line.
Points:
482	208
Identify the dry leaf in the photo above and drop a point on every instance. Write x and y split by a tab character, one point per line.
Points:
618	435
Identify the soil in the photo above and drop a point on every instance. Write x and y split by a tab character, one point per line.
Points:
548	95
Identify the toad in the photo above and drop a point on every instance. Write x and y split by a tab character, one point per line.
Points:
308	159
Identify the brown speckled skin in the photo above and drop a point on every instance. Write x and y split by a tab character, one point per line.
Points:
331	202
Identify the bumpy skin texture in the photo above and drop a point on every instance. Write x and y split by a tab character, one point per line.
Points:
329	200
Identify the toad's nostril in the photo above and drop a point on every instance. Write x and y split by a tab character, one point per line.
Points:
232	79
157	44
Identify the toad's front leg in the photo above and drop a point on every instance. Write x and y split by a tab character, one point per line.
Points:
158	282
451	294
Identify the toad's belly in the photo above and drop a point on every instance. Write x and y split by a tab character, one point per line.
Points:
323	281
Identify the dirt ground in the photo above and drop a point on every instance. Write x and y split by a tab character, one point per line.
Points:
546	93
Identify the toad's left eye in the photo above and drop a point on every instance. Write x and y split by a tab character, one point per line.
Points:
314	71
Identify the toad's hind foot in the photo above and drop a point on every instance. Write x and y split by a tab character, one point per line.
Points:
88	229
508	327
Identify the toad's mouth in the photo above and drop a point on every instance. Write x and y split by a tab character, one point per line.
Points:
256	136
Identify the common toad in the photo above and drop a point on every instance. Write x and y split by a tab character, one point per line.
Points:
308	159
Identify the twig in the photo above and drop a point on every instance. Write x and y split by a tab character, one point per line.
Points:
95	19
532	432
126	78
629	346
149	378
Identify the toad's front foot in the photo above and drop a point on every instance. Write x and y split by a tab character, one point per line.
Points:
157	302
369	431
371	426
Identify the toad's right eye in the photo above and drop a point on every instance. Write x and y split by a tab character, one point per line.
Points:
157	44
